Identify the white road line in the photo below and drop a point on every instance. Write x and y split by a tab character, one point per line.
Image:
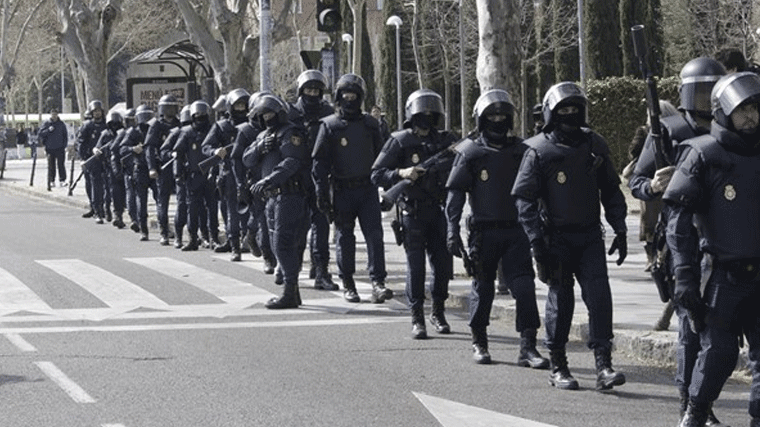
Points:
223	287
15	295
107	287
455	414
112	425
20	343
201	326
70	387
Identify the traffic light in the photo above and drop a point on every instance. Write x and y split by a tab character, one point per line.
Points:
328	16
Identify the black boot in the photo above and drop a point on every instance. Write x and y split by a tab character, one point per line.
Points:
144	232
313	271
480	346
529	355
164	241
287	300
651	253
712	420
349	294
178	238
253	245
109	217
226	247
560	376
438	319
322	279
378	293
754	422
134	227
279	279
606	377
695	416
419	332
269	264
118	222
192	245
236	251
88	214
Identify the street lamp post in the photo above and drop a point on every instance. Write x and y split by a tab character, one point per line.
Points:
349	39
396	21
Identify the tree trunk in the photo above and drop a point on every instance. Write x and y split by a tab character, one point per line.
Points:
499	53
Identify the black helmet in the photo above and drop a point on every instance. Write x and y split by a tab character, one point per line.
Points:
143	114
270	103
561	95
731	91
252	101
129	117
350	83
94	105
424	101
199	108
698	77
220	105
167	106
184	115
113	117
494	101
312	79
235	96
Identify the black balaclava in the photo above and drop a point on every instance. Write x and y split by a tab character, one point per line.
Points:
496	132
350	108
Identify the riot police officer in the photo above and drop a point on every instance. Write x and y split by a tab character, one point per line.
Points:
715	188
158	130
564	175
648	182
218	143
186	170
420	205
347	144
133	146
308	110
483	168
281	155
169	156
257	235
114	123
87	138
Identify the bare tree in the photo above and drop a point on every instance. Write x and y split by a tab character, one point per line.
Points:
13	21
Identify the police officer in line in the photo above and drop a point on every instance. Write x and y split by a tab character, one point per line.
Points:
87	138
281	155
715	188
564	175
647	183
308	110
168	156
257	235
421	204
345	149
158	130
114	123
132	146
485	168
218	143
186	170
123	190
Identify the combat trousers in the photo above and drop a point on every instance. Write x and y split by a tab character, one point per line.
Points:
289	221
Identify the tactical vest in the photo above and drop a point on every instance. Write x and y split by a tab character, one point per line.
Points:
351	147
415	151
678	130
569	176
286	147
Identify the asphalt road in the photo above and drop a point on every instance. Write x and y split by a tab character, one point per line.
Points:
100	329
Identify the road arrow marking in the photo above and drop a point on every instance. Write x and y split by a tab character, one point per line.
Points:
455	414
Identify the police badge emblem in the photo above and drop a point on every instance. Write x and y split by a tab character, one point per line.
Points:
343	142
484	175
415	158
729	192
561	177
194	147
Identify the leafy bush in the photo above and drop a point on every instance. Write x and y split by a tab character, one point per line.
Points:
618	106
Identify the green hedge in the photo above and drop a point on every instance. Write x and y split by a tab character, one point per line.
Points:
618	106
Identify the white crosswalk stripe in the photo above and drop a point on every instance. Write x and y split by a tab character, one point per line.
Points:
15	295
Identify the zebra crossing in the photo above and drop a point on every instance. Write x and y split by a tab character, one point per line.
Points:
124	299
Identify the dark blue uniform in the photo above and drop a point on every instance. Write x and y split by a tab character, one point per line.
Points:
87	139
188	174
158	132
344	152
715	188
570	179
122	191
104	144
141	181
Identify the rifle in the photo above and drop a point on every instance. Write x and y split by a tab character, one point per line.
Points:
653	102
83	168
214	160
34	166
442	158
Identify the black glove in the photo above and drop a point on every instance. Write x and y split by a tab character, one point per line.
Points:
260	188
546	263
454	244
686	294
243	195
268	143
620	244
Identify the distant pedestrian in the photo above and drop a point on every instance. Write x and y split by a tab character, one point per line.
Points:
21	141
378	114
55	138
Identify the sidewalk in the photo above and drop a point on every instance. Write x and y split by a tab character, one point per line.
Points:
636	303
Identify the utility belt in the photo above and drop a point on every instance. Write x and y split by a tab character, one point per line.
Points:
351	183
412	206
742	269
574	228
474	225
291	186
